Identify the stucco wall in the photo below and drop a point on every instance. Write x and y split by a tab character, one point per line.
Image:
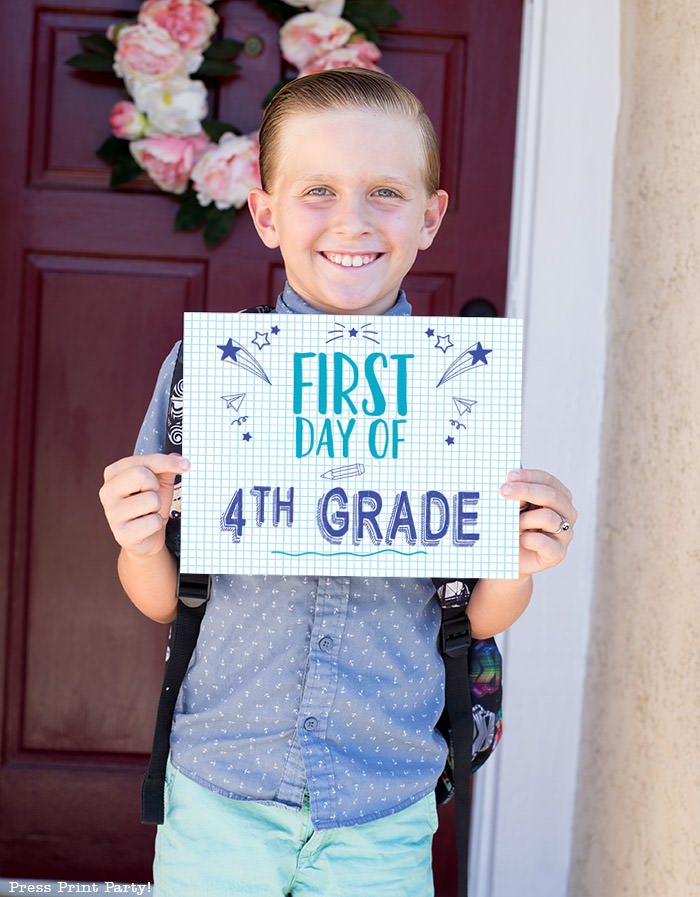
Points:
637	828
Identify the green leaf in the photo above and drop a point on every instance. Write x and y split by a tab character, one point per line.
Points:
98	43
91	62
125	170
217	68
225	48
191	214
377	13
279	10
114	149
217	225
215	130
273	91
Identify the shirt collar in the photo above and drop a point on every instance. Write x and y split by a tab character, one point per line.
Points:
290	302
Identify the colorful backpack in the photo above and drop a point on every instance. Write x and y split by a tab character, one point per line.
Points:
471	722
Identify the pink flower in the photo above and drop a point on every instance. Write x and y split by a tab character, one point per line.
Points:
169	161
144	53
190	23
227	172
310	35
360	54
126	121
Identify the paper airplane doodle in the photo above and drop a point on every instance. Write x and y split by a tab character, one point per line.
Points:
465	362
234	401
463	405
235	353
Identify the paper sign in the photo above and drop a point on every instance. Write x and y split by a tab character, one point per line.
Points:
350	445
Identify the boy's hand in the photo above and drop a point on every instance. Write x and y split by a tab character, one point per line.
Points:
136	496
547	518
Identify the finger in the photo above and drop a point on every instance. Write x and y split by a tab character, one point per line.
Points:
544	520
548	549
530	475
132	481
156	462
141	504
135	534
541	496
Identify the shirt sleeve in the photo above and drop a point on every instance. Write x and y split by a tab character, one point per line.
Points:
151	436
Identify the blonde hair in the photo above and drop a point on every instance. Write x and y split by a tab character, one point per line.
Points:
345	88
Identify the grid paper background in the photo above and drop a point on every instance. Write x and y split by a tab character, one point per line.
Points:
460	433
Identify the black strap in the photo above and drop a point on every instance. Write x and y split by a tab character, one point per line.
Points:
193	592
455	635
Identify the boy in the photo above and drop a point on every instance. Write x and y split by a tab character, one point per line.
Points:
317	695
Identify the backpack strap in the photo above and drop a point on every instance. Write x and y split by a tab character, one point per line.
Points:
192	593
455	641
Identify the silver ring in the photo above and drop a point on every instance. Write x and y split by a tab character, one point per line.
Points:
564	526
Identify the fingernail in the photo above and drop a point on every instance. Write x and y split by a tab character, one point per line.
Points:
183	464
506	489
514	475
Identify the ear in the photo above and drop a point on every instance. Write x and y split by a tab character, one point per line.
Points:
261	207
432	219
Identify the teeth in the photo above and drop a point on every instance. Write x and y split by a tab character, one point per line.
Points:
349	261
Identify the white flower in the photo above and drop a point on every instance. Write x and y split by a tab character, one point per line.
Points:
175	107
330	7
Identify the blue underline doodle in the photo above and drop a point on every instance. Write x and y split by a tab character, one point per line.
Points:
354	554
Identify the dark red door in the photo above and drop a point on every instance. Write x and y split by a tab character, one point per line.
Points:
94	286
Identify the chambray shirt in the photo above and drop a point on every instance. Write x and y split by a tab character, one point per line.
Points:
334	684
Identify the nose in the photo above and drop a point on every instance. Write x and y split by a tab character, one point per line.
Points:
352	216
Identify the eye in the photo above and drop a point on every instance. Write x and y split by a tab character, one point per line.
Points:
318	191
387	193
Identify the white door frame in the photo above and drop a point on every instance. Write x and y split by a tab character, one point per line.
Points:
558	282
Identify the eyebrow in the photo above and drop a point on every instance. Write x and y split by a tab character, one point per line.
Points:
325	175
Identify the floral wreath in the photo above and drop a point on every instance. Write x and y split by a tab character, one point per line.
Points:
163	129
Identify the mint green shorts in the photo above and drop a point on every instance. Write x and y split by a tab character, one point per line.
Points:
212	846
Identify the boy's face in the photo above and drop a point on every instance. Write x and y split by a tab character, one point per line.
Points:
348	207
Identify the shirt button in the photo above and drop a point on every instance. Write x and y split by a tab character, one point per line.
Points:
326	644
311	724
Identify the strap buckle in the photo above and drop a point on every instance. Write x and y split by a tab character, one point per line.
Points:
193	588
456	633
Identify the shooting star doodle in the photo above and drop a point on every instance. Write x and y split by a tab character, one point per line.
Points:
235	353
465	362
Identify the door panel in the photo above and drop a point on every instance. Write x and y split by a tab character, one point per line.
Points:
95	284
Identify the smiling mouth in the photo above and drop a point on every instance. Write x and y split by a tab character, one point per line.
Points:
351	260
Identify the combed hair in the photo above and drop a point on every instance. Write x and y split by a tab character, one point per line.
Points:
346	88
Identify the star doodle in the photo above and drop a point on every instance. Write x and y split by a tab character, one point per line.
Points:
479	354
246	437
444	342
229	351
275	330
352	332
450	440
430	332
261	340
